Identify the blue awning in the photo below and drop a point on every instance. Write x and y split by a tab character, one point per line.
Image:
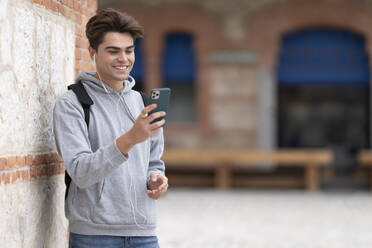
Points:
323	56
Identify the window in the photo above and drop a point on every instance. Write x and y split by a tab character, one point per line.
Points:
179	75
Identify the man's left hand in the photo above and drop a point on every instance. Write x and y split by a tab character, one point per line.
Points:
158	184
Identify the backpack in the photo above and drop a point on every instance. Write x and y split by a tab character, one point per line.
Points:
86	102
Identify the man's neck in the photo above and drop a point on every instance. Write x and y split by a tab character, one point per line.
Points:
117	85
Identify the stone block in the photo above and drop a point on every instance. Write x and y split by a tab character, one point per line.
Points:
11	114
30	219
43	41
233	80
233	116
24	52
6	42
3	9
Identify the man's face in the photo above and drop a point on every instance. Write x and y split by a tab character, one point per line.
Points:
115	57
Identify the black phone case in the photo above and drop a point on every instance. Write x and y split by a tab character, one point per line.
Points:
161	97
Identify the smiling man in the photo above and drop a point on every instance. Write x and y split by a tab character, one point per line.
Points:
114	158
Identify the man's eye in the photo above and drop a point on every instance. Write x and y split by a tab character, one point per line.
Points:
113	52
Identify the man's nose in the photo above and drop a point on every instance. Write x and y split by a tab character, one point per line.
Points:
123	57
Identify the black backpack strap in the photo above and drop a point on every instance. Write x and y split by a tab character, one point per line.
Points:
145	98
86	102
83	97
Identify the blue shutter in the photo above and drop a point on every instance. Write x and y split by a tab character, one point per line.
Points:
323	56
179	59
137	70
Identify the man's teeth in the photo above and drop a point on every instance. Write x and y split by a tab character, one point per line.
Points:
121	67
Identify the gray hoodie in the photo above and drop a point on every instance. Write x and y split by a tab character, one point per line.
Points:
107	195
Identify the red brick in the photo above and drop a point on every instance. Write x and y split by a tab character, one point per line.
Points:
54	6
78	18
3	162
15	176
86	11
39	159
77	54
80	31
61	9
77	6
39	171
84	3
61	168
85	43
38	2
48	4
79	42
58	158
21	161
64	2
68	13
86	66
70	3
86	55
77	64
49	170
92	4
84	21
33	173
25	175
28	160
11	161
5	178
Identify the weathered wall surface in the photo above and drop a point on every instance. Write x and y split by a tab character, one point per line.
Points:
32	214
42	47
37	60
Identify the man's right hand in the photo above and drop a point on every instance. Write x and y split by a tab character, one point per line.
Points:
141	130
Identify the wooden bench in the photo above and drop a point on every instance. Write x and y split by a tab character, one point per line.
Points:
365	162
224	160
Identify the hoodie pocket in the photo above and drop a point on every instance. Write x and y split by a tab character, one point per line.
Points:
113	206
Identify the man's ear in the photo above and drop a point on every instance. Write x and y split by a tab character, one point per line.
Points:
92	52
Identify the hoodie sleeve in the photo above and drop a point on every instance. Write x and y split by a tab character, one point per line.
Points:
156	152
84	166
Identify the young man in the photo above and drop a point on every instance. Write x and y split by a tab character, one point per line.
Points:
114	162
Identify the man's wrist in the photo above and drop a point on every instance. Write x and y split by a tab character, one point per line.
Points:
124	143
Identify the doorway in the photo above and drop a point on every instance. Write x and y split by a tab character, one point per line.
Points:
324	96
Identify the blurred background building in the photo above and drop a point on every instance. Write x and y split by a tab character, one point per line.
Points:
259	74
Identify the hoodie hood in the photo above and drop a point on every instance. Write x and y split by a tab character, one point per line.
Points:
88	77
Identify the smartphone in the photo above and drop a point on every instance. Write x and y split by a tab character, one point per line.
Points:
161	97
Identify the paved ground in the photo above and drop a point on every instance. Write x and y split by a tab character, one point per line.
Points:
200	218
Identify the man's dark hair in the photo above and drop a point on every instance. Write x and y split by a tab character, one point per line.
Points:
111	20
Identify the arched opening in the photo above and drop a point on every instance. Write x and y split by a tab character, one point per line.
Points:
179	73
323	90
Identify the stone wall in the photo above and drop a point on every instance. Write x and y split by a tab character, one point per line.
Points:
42	48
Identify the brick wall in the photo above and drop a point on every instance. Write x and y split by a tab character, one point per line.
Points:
79	12
33	166
42	48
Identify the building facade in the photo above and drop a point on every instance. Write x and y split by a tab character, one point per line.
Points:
241	91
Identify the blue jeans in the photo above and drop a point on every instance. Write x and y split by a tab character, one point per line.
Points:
103	241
